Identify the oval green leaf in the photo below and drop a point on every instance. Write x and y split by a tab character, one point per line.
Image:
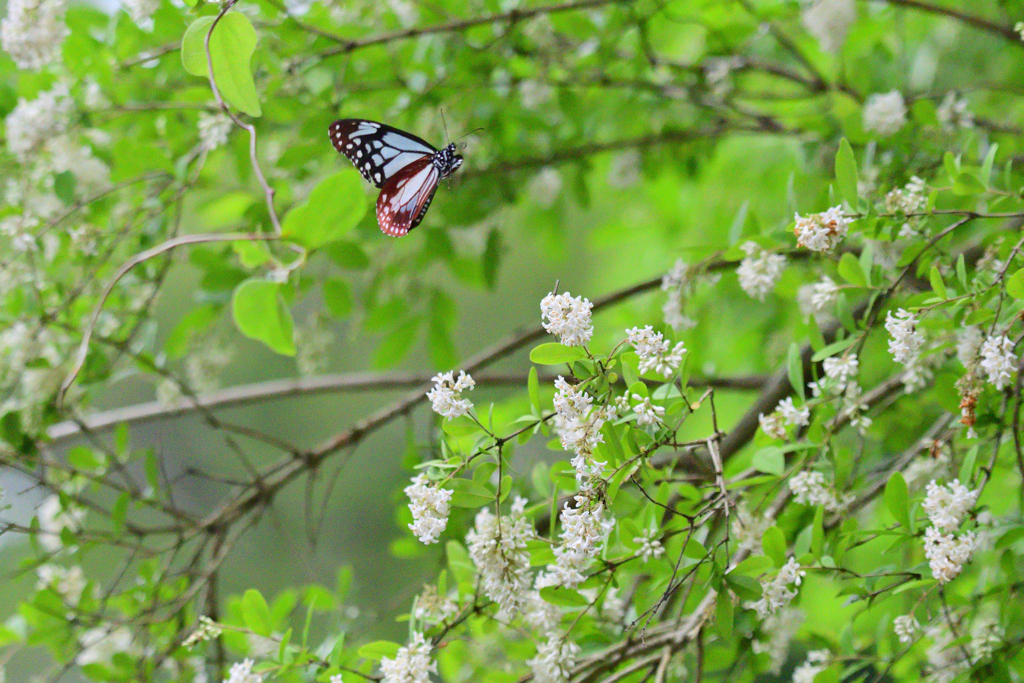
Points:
334	207
260	314
231	48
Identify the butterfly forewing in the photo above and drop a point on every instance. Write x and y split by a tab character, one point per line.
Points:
405	198
378	151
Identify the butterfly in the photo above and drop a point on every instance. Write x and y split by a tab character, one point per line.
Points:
405	168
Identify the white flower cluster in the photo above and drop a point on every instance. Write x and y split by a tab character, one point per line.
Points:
545	187
33	31
578	426
568	318
446	396
906	627
412	663
945	661
432	607
430	508
947	505
624	171
786	413
986	636
908	199
968	345
141	11
818	298
760	270
885	113
214	130
747	529
208	630
653	351
780	629
584	529
677	283
776	592
998	360
32	122
840	373
650	547
828	21
816	662
905	343
954	112
54	519
500	555
809	488
821	231
67	582
100	644
1019	28
947	553
647	414
554	660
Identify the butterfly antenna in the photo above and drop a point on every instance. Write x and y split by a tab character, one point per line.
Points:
445	124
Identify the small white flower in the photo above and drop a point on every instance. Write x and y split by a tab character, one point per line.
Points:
646	412
412	663
650	547
968	345
828	21
773	425
986	636
68	582
817	661
446	396
955	112
54	519
759	271
906	627
567	318
33	32
946	553
818	298
654	353
624	171
32	122
910	199
821	231
554	660
780	629
809	488
841	370
905	344
429	505
1019	28
748	529
584	530
885	113
545	187
799	417
100	644
998	360
500	555
776	592
947	505
214	130
433	607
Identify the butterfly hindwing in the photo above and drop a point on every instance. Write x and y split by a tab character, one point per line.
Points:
404	199
378	151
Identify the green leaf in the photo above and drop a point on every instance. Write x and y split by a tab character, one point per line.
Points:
260	313
1015	285
554	353
846	172
770	460
64	186
379	649
84	459
850	270
774	544
897	499
818	531
833	349
470	494
795	369
968	184
460	426
231	48
966	474
256	612
396	346
938	286
961	273
562	597
333	208
491	258
337	297
534	388
724	613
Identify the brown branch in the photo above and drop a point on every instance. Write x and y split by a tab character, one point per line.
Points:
977	22
247	394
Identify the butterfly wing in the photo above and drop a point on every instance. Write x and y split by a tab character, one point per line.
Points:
378	151
405	198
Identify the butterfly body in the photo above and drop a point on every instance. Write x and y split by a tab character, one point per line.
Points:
406	168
